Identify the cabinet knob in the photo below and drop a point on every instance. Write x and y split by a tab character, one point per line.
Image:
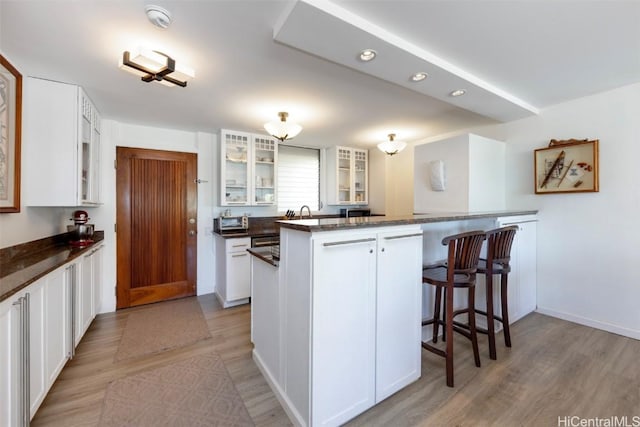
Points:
382	250
370	251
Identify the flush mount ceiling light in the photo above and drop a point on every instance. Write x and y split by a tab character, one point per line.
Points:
418	77
283	129
152	65
458	92
159	16
367	55
392	146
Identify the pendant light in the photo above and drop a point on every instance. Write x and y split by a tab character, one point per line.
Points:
392	146
283	129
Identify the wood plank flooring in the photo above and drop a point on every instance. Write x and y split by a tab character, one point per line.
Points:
555	369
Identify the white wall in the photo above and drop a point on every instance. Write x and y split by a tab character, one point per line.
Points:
391	182
399	190
486	174
587	243
474	175
454	152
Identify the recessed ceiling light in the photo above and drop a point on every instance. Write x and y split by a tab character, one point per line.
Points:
458	92
418	77
367	55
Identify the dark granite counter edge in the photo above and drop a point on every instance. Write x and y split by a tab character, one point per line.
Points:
364	222
23	282
264	256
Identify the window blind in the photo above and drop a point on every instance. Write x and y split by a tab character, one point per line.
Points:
298	178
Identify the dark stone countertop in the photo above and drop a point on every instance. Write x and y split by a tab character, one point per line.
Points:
332	224
23	264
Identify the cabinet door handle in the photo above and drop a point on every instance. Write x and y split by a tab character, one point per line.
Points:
24	407
404	236
349	242
240	246
27	356
238	255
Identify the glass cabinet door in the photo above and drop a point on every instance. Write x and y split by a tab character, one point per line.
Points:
344	175
360	176
235	173
95	158
86	166
264	167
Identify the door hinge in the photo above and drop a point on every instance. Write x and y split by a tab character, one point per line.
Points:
115	164
115	228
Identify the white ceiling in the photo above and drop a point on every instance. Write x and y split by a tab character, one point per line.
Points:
519	55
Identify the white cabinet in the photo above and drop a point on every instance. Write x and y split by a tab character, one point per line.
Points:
52	315
347	176
61	128
96	266
248	169
57	307
522	285
349	328
343	324
399	310
233	273
265	313
22	346
86	290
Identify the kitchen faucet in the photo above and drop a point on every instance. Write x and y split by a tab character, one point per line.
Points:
308	210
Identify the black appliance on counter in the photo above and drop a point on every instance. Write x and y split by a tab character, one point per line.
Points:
354	212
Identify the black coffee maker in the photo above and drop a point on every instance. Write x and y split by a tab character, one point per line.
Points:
81	233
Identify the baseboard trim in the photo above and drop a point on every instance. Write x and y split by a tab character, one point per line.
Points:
294	415
615	329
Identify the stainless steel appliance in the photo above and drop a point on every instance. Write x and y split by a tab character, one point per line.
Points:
262	241
271	241
81	232
354	212
231	223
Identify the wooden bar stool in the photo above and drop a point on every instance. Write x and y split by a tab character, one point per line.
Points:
499	242
459	272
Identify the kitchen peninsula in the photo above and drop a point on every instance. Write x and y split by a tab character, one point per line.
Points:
340	328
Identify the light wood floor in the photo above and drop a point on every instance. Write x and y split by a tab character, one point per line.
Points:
555	369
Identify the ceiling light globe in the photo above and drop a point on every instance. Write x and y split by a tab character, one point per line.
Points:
282	129
392	146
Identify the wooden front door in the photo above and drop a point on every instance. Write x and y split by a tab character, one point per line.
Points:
156	207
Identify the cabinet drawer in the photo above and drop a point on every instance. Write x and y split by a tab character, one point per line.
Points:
237	245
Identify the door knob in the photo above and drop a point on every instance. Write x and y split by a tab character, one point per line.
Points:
192	220
192	233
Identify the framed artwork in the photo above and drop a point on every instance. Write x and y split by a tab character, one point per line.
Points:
569	166
10	131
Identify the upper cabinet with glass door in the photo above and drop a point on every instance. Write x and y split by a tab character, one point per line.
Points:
61	134
265	159
347	176
234	168
89	151
247	169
